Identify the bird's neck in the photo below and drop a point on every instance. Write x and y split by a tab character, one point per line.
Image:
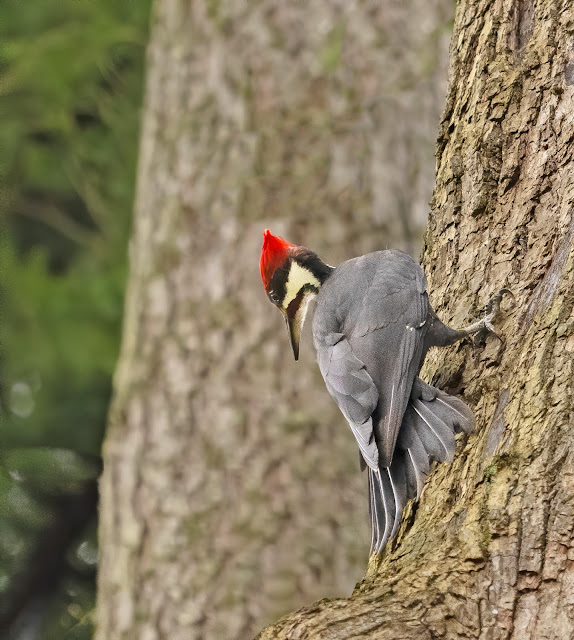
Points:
311	261
323	271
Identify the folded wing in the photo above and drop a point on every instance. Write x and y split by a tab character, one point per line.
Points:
353	390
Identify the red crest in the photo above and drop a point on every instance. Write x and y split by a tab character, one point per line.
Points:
273	254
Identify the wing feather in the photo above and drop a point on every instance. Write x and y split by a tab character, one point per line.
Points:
353	390
400	392
443	435
369	329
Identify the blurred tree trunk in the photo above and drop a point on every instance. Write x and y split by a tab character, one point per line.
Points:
231	492
490	552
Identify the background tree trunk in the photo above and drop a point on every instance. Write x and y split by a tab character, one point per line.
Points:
231	492
490	553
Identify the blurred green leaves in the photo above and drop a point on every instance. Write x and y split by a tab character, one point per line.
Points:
70	98
50	470
71	78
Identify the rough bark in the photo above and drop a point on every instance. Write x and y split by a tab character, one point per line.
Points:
489	550
231	492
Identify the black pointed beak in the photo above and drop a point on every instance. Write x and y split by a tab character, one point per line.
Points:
294	326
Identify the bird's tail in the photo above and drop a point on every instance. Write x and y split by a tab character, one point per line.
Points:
427	434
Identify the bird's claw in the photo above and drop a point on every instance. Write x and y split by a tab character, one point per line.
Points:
491	310
492	307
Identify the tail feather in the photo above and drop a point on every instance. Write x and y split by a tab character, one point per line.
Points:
427	434
409	440
398	480
388	498
372	511
435	434
416	476
383	507
454	411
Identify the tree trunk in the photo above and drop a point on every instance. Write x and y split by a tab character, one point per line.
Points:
231	492
488	552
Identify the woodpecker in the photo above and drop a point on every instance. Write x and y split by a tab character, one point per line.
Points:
372	328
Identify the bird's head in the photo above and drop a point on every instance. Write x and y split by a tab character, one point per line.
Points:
292	277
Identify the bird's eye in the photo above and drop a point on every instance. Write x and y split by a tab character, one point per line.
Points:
274	297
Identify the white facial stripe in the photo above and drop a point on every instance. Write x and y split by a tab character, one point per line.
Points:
304	307
298	277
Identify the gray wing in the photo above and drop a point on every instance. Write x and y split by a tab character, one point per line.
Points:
388	338
353	390
369	331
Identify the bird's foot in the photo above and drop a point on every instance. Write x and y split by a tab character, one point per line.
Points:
491	310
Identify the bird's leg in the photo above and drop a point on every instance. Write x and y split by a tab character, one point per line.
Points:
441	335
491	310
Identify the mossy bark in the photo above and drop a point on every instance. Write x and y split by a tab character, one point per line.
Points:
231	492
488	552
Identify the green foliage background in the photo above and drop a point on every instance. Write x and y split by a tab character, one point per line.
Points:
70	102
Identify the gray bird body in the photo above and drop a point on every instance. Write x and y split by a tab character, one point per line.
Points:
372	328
